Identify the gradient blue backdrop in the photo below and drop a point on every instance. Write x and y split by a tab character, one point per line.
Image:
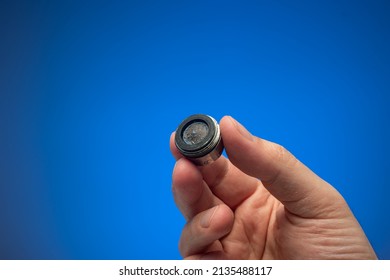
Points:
90	92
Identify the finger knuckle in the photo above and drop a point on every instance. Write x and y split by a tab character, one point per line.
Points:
182	245
283	156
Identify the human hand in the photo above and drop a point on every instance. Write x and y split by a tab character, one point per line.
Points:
261	203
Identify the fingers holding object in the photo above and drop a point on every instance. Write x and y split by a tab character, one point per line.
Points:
225	181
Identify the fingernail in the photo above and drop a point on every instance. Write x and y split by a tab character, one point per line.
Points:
243	131
206	219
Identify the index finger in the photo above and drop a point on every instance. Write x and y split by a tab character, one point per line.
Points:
226	181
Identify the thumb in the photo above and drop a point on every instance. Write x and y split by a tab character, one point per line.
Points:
301	191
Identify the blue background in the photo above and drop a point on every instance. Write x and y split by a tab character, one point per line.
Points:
90	92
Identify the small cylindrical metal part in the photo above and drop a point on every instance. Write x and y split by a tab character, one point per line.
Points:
198	138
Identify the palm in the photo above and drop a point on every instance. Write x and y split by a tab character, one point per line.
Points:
263	229
248	238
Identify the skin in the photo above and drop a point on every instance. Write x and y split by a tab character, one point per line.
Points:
261	203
